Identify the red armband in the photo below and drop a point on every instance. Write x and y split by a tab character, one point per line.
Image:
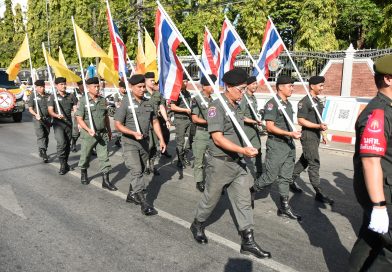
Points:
373	137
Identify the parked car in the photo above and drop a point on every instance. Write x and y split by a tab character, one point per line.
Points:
11	98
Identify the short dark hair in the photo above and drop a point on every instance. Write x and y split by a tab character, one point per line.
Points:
379	80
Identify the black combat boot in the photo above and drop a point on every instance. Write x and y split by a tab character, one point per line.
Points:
180	162
200	186
63	167
250	247
73	144
295	188
131	197
197	229
153	170
106	184
83	177
322	197
43	155
145	208
285	209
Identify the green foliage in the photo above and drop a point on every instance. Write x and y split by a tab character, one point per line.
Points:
317	22
7	33
385	37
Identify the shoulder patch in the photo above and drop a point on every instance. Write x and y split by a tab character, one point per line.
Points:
373	138
212	112
270	106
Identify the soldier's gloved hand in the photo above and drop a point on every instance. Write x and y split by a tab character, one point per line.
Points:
379	220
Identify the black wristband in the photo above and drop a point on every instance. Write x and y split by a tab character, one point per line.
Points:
379	204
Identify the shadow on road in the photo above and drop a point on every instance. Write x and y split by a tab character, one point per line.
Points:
237	264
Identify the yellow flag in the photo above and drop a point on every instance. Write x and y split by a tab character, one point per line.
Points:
21	56
106	69
62	71
151	55
61	58
87	46
140	57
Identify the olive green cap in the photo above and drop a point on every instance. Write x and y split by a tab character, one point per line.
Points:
383	65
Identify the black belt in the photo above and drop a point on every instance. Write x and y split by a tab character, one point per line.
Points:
181	117
228	158
279	139
202	128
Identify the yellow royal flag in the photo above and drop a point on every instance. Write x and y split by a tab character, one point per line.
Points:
87	46
140	57
106	69
62	71
21	56
61	58
150	52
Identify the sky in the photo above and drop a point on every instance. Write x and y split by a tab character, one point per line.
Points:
2	6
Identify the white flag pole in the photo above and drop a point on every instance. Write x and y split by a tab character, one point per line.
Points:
51	80
83	78
124	75
280	106
32	72
216	90
314	105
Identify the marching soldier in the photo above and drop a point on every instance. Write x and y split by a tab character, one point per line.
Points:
373	176
310	139
202	137
41	118
97	137
166	124
62	121
280	157
182	122
135	144
118	97
158	102
252	124
78	92
225	167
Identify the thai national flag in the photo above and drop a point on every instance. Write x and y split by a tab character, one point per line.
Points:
230	47
170	69
271	48
120	58
210	54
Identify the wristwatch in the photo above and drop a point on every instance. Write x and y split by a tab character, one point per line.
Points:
380	204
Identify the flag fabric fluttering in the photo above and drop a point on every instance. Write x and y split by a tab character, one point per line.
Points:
120	51
210	54
87	46
22	55
140	56
272	46
62	71
170	70
230	47
150	51
106	68
61	58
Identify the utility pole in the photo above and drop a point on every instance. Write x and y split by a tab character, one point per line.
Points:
48	22
139	8
95	36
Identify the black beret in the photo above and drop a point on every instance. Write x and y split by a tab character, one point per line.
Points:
204	81
284	80
92	80
383	65
149	75
40	83
60	80
314	80
250	80
136	79
122	84
235	77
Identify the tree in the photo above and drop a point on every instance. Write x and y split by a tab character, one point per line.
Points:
385	33
8	48
317	23
19	27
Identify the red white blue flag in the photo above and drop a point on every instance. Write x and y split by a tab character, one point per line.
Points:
210	54
271	48
170	69
120	53
230	47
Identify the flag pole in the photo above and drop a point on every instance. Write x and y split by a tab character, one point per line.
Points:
83	78
280	106
314	105
123	71
33	77
193	84
56	100
203	70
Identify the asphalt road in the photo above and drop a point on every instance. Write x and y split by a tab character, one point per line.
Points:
53	223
